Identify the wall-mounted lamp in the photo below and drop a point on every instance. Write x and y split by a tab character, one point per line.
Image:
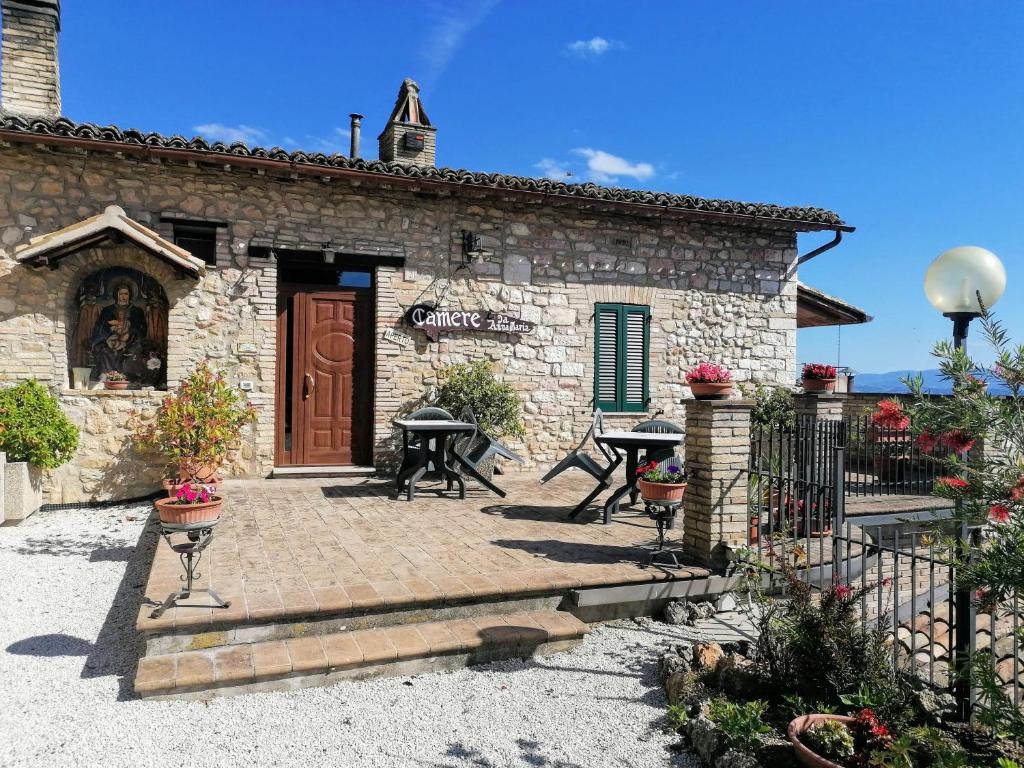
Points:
328	253
471	248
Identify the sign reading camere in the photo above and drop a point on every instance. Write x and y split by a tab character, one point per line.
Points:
432	321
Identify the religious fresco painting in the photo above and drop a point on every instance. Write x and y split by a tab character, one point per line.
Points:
121	325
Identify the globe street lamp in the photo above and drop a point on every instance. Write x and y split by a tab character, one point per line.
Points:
962	281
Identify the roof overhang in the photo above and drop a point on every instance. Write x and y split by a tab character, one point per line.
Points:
815	309
111	225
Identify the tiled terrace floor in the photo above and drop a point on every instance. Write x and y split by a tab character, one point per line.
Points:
287	548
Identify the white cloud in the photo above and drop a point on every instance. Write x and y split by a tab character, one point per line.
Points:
336	142
231	133
592	48
605	167
454	20
553	169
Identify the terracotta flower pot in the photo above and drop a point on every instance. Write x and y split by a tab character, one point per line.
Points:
115	385
717	390
187	514
660	491
205	473
805	756
818	385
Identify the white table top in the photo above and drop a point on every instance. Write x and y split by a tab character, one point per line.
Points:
426	425
648	438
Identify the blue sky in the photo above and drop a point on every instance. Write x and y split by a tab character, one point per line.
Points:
907	119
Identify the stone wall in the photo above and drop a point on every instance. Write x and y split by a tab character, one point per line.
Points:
716	293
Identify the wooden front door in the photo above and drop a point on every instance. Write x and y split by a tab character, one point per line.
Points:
328	408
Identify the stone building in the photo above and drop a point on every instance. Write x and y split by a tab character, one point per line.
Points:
295	273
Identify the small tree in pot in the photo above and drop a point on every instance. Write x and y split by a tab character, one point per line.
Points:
197	425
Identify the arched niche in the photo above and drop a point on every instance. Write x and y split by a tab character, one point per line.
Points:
119	322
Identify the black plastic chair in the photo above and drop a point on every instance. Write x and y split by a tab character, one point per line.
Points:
479	446
661	455
578	458
413	443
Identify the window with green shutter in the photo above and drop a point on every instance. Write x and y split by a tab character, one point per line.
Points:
621	345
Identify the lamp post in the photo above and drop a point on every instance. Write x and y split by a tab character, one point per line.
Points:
960	282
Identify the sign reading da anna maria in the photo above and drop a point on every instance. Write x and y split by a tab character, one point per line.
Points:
432	321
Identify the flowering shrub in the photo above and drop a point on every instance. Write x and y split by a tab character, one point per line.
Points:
653	472
196	426
708	373
819	371
194	494
890	415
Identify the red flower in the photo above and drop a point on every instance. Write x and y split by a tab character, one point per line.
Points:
890	415
952	483
879	731
707	373
926	441
957	440
819	371
999	513
843	591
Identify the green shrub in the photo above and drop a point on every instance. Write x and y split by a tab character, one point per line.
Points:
773	406
829	739
677	716
741	724
33	427
495	404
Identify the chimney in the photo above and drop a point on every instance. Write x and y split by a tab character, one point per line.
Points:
408	137
29	75
354	130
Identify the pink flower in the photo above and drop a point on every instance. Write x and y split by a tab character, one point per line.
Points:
707	373
926	441
843	591
819	371
952	483
999	513
957	440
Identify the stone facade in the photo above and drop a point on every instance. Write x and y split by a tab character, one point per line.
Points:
725	293
29	75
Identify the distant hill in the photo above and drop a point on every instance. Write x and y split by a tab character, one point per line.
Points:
890	383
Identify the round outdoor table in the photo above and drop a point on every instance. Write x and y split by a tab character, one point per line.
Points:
632	444
435	448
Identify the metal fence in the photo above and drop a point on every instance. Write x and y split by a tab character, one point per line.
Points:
799	481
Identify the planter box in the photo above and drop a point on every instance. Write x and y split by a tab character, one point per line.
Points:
22	491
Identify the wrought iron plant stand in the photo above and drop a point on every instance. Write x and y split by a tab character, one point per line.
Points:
663	512
190	551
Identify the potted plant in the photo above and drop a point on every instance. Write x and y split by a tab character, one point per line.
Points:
820	741
495	403
35	434
197	425
191	504
115	380
819	377
710	382
656	483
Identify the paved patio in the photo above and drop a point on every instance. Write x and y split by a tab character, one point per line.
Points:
289	548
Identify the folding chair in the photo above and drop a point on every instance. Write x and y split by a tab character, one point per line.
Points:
579	459
477	448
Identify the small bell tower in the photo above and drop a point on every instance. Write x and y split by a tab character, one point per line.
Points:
409	136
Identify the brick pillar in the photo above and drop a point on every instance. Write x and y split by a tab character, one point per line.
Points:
30	76
715	519
826	406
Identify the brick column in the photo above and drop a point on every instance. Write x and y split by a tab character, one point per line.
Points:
715	519
827	406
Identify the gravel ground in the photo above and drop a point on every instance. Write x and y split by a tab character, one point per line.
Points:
73	582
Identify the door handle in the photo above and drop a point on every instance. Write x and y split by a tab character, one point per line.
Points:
308	385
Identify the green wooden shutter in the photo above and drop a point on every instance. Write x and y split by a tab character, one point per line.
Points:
606	357
633	358
621	350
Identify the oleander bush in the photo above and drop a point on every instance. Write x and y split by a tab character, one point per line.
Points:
34	428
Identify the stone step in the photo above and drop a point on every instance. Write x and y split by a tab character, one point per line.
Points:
313	660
